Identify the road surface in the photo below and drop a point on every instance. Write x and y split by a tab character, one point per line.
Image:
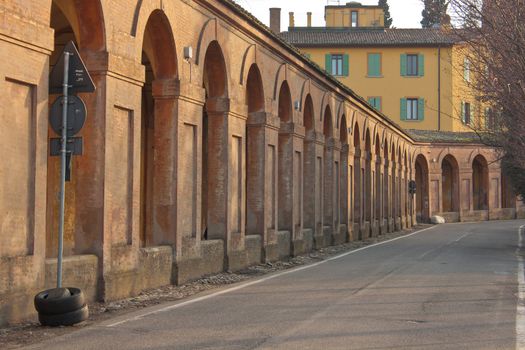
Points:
449	287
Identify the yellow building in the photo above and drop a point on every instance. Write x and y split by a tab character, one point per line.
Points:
417	77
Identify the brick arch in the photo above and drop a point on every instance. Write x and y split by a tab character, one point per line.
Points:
309	113
87	20
280	78
158	44
248	60
285	108
343	130
143	13
305	92
254	90
215	71
326	100
328	124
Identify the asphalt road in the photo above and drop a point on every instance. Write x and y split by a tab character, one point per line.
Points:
451	287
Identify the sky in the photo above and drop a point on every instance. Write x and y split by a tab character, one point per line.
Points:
405	13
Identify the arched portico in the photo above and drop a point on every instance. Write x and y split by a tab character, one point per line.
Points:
422	195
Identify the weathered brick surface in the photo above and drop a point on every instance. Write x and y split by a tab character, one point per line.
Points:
195	165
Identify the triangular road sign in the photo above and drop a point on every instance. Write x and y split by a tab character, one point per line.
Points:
79	79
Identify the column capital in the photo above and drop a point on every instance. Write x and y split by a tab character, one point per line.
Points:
263	119
292	128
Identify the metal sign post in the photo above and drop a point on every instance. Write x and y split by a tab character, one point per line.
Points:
63	159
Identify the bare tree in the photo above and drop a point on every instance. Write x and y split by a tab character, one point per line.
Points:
494	35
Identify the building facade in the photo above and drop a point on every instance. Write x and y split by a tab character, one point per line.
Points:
210	144
420	78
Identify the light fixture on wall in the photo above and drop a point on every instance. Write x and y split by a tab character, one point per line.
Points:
297	105
188	52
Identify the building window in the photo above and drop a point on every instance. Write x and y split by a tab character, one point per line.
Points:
337	65
466	70
412	108
412	65
375	102
354	19
465	113
374	64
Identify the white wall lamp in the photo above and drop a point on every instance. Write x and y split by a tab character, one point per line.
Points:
188	52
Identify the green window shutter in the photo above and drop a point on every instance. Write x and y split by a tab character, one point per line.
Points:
346	65
378	103
403	65
374	65
421	65
463	112
328	63
371	100
308	55
421	109
403	109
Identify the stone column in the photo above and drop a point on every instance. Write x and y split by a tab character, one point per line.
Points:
313	189
262	147
290	193
366	171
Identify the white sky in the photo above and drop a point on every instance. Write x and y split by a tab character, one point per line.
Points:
405	13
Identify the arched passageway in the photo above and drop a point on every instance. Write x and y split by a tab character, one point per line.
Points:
358	183
83	24
254	148
330	171
157	133
480	182
214	167
311	173
344	197
378	178
386	186
285	176
450	184
367	190
422	199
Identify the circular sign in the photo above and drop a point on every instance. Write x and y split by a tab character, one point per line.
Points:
76	115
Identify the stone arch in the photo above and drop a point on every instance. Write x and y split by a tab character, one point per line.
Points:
83	23
422	189
328	127
158	56
280	78
326	101
86	19
254	90
158	45
305	92
329	174
254	138
285	110
285	158
367	193
345	200
450	184
480	182
248	60
214	171
308	114
377	180
311	188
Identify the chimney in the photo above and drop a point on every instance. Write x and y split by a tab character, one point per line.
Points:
309	19
275	20
292	21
